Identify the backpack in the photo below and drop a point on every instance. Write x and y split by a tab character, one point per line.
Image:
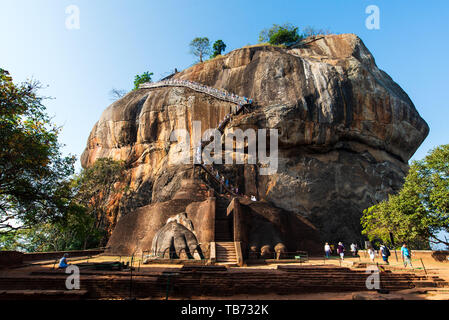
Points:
387	251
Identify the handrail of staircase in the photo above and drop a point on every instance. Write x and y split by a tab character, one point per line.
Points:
303	254
219	94
223	124
300	43
217	180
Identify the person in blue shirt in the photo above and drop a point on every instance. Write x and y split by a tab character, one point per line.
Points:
406	255
63	261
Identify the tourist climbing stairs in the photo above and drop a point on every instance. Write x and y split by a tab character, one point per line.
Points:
241	102
211	180
217	93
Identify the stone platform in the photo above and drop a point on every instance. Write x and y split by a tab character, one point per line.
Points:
152	283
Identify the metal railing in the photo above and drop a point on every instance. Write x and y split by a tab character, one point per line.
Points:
214	182
300	256
217	93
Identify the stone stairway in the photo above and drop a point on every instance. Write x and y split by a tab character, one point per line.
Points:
211	281
241	102
223	223
224	238
225	252
209	178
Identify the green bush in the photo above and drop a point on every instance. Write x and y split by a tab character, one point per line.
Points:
143	78
280	35
219	46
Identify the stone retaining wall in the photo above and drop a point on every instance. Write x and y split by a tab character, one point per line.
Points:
426	255
36	256
10	258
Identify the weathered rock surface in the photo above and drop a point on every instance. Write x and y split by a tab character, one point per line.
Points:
347	130
184	224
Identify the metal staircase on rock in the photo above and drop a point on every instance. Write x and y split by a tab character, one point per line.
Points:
224	238
217	93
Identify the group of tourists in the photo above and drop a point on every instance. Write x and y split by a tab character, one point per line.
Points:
221	94
384	252
230	186
329	249
224	182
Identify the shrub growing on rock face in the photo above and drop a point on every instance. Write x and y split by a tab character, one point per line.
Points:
278	35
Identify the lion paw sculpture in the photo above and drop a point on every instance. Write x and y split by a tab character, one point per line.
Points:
176	239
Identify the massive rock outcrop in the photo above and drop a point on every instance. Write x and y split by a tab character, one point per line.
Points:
346	130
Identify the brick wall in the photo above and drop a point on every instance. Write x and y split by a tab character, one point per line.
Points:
10	258
36	256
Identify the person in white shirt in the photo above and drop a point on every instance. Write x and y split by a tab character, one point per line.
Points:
353	249
372	253
327	250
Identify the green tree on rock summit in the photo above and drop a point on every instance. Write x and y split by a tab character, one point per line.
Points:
278	35
200	47
143	78
219	46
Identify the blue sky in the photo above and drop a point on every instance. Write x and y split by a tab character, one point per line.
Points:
119	39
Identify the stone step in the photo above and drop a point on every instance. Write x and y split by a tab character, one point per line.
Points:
223	250
213	281
42	294
222	226
220	232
